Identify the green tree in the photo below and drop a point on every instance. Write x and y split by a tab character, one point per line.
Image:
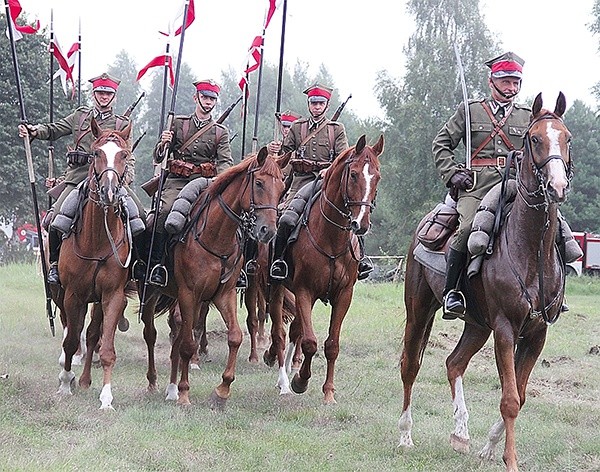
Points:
418	105
582	208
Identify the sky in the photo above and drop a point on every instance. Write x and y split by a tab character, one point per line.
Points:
354	40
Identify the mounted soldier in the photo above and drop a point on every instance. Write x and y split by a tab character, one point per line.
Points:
315	141
197	146
78	124
496	126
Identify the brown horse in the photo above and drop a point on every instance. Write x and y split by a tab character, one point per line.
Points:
323	262
94	261
517	293
207	261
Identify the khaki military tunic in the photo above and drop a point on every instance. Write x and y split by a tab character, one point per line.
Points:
211	147
486	176
324	147
79	125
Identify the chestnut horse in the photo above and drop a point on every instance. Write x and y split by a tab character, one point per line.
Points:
517	293
94	260
207	260
323	262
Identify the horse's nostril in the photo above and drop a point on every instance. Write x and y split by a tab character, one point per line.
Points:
354	226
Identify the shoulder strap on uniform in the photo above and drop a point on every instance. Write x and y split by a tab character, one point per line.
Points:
82	118
331	136
195	136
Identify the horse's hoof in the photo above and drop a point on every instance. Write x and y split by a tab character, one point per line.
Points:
172	393
123	324
107	408
460	445
194	366
216	403
328	399
298	386
268	359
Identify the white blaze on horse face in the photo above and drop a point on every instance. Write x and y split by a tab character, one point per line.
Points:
110	150
557	177
369	177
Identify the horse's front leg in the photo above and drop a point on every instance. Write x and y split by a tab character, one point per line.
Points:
226	304
75	317
293	355
92	339
304	304
339	308
184	345
277	348
471	341
251	303
113	306
201	351
504	343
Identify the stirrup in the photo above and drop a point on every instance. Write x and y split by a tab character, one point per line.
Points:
279	270
365	267
458	311
52	276
159	276
251	267
242	281
138	270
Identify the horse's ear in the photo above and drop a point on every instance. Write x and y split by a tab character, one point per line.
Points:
378	148
262	155
561	104
537	105
95	128
284	160
125	132
360	144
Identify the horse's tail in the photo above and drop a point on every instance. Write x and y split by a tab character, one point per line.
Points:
164	304
289	307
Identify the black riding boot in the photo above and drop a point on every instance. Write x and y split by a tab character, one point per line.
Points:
279	268
54	240
454	301
140	254
159	275
365	265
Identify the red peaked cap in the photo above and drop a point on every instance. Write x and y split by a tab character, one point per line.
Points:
506	65
288	117
105	83
208	87
318	93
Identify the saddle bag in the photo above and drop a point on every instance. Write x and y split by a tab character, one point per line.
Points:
437	226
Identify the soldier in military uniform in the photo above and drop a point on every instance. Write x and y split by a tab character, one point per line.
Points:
498	125
78	124
286	119
316	141
197	146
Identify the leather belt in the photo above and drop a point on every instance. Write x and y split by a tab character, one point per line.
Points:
500	161
186	169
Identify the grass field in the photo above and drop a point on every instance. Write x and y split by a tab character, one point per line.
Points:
557	429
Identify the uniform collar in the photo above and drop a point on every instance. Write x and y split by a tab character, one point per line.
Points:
495	106
201	123
102	114
312	124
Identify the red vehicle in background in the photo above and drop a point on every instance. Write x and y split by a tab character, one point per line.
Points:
589	263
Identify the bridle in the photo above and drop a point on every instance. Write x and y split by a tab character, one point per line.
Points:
540	192
247	219
347	202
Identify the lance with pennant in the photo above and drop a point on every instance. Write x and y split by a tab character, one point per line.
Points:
51	106
27	144
163	166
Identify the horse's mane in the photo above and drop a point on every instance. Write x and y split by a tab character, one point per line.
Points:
269	167
337	162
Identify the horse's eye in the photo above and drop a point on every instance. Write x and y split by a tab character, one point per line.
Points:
535	140
353	176
260	184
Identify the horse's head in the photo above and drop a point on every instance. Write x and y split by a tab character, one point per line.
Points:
360	174
256	196
110	152
548	145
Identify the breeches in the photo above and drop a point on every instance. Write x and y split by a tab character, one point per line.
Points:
467	207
